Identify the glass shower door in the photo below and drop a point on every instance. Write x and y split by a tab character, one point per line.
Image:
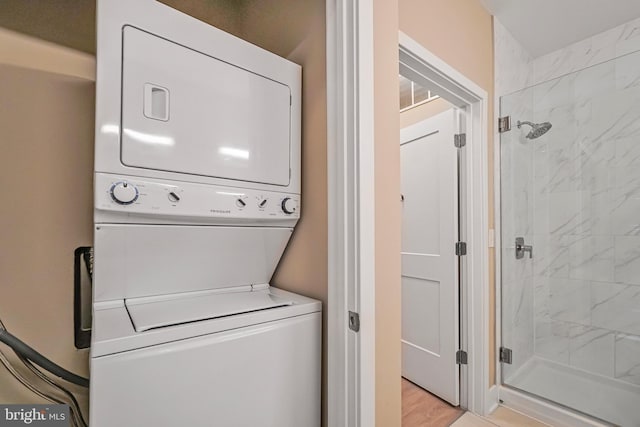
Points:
570	209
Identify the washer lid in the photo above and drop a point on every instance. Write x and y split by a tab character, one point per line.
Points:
113	331
153	313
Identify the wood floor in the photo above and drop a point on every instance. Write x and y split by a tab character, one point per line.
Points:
420	408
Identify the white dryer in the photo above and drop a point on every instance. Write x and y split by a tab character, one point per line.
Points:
197	192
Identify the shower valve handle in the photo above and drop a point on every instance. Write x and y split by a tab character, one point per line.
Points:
521	248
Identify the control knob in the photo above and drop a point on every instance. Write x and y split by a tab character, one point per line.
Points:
289	205
124	193
173	197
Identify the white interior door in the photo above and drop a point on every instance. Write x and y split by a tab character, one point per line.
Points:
430	267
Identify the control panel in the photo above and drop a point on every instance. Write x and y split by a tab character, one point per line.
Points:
171	198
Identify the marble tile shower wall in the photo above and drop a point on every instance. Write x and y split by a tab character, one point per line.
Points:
602	47
585	200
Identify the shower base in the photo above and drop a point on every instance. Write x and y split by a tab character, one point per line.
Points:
605	398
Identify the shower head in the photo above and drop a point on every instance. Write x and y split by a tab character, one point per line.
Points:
537	129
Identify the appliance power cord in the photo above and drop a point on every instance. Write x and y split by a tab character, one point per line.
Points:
76	413
78	420
29	353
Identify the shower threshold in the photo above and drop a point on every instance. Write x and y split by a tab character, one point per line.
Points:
604	398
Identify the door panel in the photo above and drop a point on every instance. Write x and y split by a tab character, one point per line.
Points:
420	222
430	305
186	112
418	294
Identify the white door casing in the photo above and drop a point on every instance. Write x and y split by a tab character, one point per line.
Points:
430	282
350	195
351	253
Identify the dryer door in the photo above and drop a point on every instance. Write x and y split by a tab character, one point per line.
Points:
187	112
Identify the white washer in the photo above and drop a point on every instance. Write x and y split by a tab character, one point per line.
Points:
197	192
255	369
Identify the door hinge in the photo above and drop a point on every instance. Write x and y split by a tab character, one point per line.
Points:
461	357
354	321
504	124
506	355
460	140
461	248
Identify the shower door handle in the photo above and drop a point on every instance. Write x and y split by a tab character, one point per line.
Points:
521	248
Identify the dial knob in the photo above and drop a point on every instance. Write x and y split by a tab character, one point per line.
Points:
124	193
173	197
289	205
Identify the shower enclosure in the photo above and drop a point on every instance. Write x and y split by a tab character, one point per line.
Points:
570	209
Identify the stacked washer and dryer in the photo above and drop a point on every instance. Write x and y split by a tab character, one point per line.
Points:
197	192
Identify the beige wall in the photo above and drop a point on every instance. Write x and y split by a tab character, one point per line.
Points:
69	23
460	32
29	52
46	173
222	14
387	212
424	111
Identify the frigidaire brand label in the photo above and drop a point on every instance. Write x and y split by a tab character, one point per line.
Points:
34	415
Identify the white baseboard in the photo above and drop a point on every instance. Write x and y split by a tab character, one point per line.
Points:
543	411
492	400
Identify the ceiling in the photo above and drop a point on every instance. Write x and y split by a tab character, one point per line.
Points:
542	26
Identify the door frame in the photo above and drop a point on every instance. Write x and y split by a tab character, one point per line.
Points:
350	213
427	69
351	257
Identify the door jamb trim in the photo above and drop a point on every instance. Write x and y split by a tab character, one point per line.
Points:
428	69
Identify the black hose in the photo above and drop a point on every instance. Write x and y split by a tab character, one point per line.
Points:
29	353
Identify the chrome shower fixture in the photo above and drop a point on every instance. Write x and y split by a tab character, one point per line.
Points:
537	129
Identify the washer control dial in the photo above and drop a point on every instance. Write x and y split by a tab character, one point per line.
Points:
289	206
173	197
124	193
